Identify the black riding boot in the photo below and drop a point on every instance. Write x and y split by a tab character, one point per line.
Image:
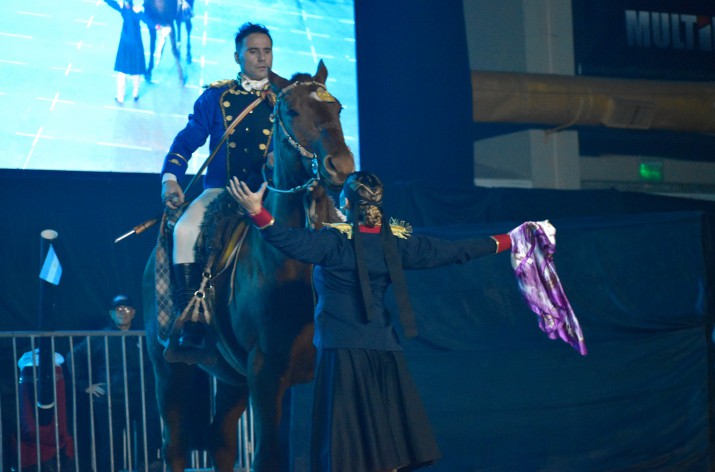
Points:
187	280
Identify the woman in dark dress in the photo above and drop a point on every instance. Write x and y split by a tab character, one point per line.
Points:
367	413
130	53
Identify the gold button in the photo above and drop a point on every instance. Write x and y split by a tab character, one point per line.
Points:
232	145
229	118
262	147
226	104
266	132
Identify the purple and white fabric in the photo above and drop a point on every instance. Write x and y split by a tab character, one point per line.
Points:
532	250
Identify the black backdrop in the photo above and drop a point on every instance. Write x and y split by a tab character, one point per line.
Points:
414	90
88	211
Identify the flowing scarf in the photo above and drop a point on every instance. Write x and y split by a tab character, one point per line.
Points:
532	251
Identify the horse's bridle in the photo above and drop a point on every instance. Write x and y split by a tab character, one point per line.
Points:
304	151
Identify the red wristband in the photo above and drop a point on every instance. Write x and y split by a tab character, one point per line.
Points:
503	242
262	219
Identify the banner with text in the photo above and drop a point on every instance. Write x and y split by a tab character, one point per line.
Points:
645	39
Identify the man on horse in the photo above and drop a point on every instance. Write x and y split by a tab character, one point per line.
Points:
240	151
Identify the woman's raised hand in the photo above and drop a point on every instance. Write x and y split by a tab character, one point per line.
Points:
250	201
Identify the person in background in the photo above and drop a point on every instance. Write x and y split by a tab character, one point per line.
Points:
130	59
112	375
367	413
53	430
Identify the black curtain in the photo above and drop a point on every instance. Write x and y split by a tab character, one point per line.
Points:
89	211
414	90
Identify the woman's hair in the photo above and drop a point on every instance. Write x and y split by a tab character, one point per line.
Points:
364	190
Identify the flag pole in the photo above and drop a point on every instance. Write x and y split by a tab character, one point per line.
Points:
49	278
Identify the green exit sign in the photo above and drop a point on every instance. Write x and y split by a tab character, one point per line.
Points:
651	171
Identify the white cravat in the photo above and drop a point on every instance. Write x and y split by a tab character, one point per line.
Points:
249	85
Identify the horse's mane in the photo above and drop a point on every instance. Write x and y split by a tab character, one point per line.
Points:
301	77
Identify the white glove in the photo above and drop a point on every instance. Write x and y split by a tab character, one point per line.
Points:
96	390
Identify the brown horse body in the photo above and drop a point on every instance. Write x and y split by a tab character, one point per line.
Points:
263	320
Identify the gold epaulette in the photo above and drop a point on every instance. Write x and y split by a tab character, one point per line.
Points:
399	228
222	83
345	228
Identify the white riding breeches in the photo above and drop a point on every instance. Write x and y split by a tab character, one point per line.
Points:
186	231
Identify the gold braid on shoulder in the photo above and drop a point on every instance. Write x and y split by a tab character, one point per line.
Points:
222	83
399	228
345	228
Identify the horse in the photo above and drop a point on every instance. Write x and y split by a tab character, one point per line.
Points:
263	307
160	14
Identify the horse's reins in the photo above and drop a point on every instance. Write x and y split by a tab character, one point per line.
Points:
309	208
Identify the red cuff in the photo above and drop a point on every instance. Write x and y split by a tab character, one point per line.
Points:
262	219
503	242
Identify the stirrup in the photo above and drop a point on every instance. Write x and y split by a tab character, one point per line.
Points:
207	355
193	335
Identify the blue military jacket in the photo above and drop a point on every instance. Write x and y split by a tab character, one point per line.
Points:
244	152
339	318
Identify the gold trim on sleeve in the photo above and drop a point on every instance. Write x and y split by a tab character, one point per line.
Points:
178	155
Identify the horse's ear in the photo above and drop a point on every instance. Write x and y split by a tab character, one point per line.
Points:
322	73
277	82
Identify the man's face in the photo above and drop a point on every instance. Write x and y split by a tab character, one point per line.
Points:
255	56
122	316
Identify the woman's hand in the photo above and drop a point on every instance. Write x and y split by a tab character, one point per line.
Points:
250	201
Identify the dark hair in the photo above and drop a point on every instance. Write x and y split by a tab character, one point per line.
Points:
250	28
364	190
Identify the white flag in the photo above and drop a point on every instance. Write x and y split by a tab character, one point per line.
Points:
51	269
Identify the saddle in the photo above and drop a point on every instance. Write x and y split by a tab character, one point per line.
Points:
222	231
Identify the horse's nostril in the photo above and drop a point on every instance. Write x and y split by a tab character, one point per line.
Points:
330	165
337	168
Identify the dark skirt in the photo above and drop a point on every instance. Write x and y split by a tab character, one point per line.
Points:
367	414
130	53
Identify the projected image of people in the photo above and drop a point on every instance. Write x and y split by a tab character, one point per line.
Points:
130	53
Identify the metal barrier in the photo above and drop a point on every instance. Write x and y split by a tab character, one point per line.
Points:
87	412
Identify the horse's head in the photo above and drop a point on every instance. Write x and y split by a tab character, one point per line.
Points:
307	119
